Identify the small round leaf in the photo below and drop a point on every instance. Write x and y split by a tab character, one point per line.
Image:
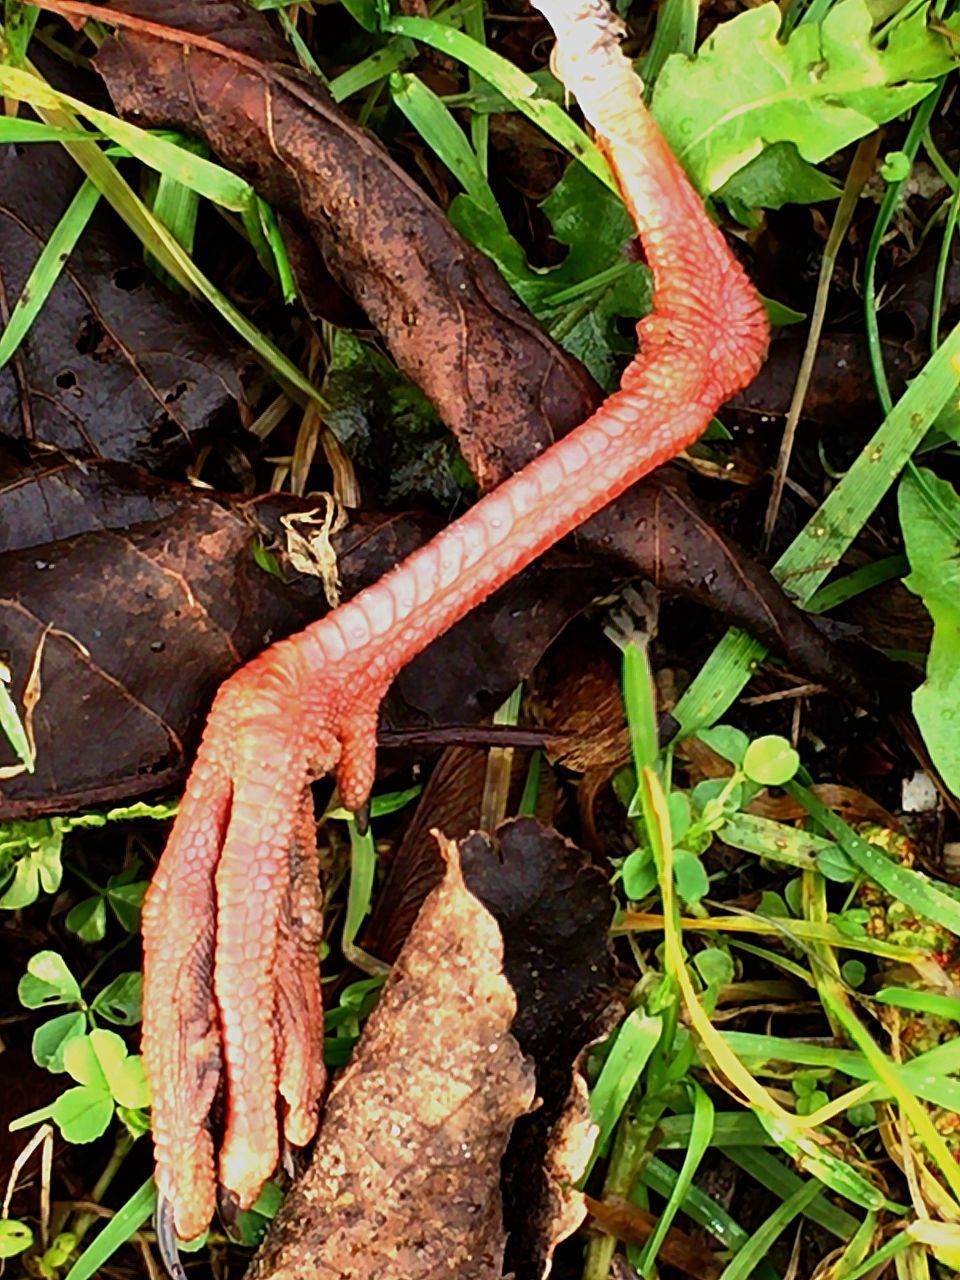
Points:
51	1039
771	761
15	1237
47	981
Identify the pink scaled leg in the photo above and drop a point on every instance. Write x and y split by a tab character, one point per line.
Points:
309	705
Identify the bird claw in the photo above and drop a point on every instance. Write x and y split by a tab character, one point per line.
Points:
231	927
163	1223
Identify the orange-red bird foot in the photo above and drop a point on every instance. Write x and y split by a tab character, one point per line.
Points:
231	921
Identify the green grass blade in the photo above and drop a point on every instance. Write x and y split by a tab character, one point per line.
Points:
363	870
19	21
701	1136
17	132
928	1076
181	164
171	255
517	87
817	549
440	130
730	1129
377	67
784	1183
876	1264
902	883
701	1208
638	701
856	582
742	1266
932	1002
124	1223
46	270
676	32
473	22
885	1070
636	1040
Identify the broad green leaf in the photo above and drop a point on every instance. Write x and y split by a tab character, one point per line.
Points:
83	1114
122	1072
691	878
639	874
827	86
82	1062
714	966
387	423
33	850
678	806
52	1037
930	519
726	741
12	725
582	299
854	972
778	176
47	981
833	864
168	809
252	1224
88	919
120	1001
125	896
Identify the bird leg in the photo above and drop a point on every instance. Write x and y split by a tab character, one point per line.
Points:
230	981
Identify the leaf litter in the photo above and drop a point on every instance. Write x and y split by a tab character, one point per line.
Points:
406	1177
681	550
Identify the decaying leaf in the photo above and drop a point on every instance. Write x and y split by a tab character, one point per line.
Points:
406	1178
114	366
450	321
554	910
132	577
442	307
635	1225
405	1182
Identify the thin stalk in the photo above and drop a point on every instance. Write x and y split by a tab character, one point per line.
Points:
860	172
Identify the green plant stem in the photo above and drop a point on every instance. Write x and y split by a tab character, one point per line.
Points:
861	170
943	262
888	206
626	1160
82	1223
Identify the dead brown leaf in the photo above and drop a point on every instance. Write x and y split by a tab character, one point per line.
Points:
439	1072
128	578
634	1225
452	325
115	365
405	1182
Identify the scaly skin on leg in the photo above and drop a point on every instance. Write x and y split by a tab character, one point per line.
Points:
299	1003
309	705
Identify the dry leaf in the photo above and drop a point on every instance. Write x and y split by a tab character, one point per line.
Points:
405	1182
